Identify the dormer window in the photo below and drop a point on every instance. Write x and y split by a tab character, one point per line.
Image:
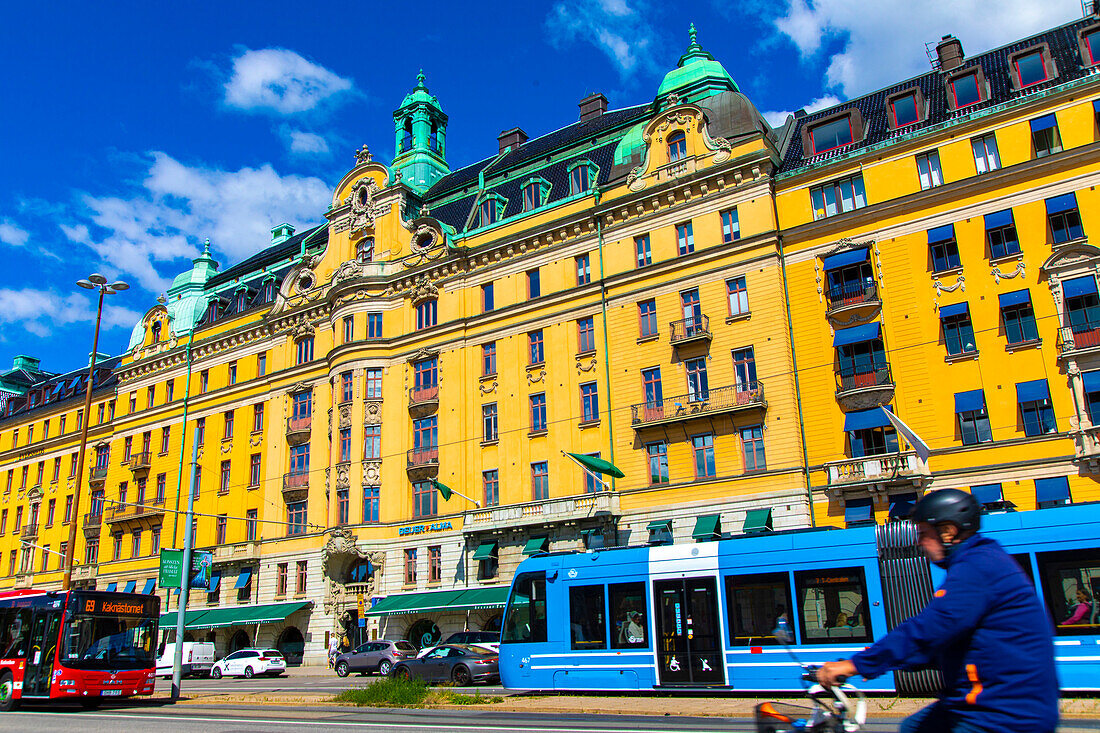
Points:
156	331
578	180
677	146
532	196
965	90
1030	68
1090	46
488	212
239	305
831	135
904	110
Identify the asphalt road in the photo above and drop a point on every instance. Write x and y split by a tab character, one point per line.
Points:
197	687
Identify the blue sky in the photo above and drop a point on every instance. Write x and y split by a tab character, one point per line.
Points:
133	130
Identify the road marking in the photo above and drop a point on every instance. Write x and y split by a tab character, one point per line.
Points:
526	728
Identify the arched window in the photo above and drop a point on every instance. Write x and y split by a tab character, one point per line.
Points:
407	137
677	146
364	250
433	137
156	331
305	350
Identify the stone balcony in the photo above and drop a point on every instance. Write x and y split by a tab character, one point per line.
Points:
24	580
85	572
1079	340
865	390
30	531
423	401
422	463
298	428
550	511
131	512
893	469
711	402
237	552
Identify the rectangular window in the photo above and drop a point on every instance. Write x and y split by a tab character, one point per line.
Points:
928	168
68	509
487	297
349	329
424	499
220	523
698	387
831	135
831	605
945	254
535	353
374	325
345	445
489	423
702	447
374	383
426	314
232	378
135	551
169	392
755	605
904	110
534	284
540	481
127	451
223	485
490	480
154	534
657	455
586	335
584	270
1091	40
752	446
1000	233
342	505
965	90
737	296
1030	68
974	426
744	370
538	412
1036	411
426	434
165	436
578	180
532	196
261	364
1064	219
587	627
986	157
162	485
300	575
370	504
958	331
1045	137
305	350
281	578
227	431
489	359
731	227
651	387
435	564
1019	321
151	392
51	509
647	318
1071	584
56	470
643	253
347	387
410	566
295	518
258	418
372	441
838	197
685	239
590	403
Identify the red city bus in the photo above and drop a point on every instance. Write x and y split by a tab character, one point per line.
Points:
76	645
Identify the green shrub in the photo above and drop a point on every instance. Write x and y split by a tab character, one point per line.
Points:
387	692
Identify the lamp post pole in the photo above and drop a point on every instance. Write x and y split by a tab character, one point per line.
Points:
95	281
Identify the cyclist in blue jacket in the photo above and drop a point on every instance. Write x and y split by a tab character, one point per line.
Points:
984	627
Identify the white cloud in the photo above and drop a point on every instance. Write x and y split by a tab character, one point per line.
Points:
883	42
281	81
613	26
13	234
777	118
140	235
39	311
306	143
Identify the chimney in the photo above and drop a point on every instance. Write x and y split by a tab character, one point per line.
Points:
30	363
281	233
949	53
511	139
593	105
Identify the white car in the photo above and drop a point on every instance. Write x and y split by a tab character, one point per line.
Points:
198	658
248	663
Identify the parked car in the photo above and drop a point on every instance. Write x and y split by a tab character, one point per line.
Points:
198	658
250	662
489	639
374	656
458	663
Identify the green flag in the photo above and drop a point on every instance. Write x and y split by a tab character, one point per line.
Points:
443	489
599	465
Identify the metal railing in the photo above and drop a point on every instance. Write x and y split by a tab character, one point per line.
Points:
421	457
299	424
97	473
296	480
703	402
93	519
139	461
878	376
1084	335
418	396
690	329
856	293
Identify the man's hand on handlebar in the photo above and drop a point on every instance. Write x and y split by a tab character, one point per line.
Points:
835	673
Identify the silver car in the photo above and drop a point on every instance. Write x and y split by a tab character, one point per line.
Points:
374	656
458	663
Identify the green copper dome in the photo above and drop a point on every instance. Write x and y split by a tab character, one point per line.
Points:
696	76
419	94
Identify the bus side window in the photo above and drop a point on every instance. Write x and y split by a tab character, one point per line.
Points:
832	604
755	604
526	617
1071	580
629	621
587	625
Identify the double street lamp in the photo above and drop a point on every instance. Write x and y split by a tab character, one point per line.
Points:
95	281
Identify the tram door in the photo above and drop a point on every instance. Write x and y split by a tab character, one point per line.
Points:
689	640
44	630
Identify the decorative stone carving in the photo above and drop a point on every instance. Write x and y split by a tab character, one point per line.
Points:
536	376
255	439
584	365
1020	272
488	388
343	479
363	156
422	289
372	413
372	473
302	329
345	416
362	204
338	554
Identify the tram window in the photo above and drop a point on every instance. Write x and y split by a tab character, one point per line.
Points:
1024	561
587	625
526	619
16	628
1071	582
832	604
755	604
628	616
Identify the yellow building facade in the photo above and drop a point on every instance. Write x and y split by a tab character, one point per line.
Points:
716	307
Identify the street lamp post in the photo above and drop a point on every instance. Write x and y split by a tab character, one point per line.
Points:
95	281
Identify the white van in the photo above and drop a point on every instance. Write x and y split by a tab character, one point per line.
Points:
198	658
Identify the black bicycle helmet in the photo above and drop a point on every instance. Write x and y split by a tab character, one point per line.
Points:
949	505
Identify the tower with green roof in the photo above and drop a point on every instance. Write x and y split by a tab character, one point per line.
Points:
420	130
696	76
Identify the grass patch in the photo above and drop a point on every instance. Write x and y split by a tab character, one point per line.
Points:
387	692
458	698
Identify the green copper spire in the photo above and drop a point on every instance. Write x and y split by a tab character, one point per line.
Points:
694	50
420	128
696	76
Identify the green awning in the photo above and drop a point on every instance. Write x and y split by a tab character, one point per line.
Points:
536	545
272	612
485	550
660	525
415	603
216	618
707	527
168	620
758	520
494	596
598	465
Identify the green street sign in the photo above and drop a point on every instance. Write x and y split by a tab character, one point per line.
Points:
171	569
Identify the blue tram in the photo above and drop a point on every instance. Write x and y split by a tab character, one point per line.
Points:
701	615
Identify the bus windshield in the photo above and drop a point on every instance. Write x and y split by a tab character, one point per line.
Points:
111	636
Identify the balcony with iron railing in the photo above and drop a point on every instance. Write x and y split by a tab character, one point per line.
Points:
30	531
423	400
1081	336
423	462
140	461
124	512
296	480
704	403
851	295
873	385
298	427
93	522
97	474
689	330
890	468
